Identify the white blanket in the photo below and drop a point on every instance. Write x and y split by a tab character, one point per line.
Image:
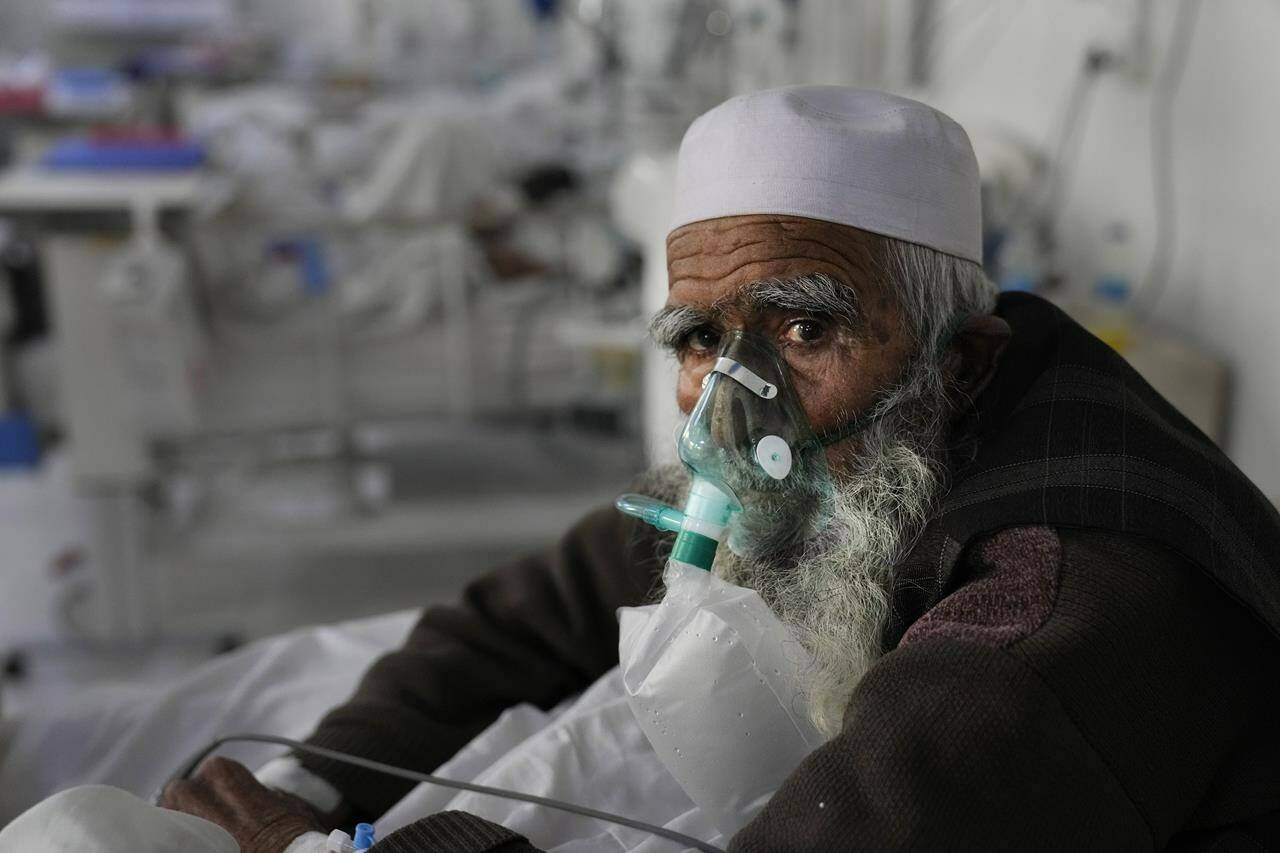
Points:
134	738
102	819
590	752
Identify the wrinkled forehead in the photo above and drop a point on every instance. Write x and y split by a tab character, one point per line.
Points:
718	262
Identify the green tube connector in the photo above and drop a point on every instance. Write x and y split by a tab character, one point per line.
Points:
695	549
699	528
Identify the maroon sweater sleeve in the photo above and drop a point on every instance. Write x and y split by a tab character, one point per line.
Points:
536	631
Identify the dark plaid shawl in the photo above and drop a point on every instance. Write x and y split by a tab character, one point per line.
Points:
1069	435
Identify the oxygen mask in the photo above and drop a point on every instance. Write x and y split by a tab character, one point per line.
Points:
760	475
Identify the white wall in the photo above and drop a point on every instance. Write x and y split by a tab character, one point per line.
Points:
1013	65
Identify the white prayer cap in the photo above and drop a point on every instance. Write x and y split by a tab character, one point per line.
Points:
852	156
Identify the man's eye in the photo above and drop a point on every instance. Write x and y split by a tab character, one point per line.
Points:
804	331
702	339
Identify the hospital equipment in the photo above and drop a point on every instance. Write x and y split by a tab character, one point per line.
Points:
124	152
711	663
748	444
87	93
109	450
323	279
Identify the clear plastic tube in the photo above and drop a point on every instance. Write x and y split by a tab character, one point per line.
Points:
651	511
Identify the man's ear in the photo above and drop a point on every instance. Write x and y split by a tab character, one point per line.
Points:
974	353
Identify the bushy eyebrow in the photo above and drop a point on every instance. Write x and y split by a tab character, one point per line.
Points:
674	323
816	294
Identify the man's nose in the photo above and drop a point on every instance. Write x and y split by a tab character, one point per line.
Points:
729	422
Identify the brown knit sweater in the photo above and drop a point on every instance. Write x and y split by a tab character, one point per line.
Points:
1078	691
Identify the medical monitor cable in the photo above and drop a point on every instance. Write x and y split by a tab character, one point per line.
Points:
187	768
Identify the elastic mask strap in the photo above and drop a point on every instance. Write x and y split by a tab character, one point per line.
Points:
846	430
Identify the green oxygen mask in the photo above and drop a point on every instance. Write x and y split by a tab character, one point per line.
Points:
760	477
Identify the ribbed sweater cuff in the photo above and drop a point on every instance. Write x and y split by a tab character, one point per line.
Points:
455	832
368	792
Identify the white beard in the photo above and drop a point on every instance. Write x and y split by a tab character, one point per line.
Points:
835	593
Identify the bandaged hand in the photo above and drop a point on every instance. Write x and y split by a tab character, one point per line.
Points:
225	792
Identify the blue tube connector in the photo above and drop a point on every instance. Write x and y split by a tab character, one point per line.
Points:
364	836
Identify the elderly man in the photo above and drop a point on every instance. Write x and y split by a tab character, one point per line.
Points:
1041	613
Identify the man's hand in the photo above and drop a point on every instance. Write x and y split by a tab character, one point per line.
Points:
224	792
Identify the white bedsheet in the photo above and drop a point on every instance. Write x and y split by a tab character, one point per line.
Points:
102	819
590	751
133	738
